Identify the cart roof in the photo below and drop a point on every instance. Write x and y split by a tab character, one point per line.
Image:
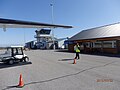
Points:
16	47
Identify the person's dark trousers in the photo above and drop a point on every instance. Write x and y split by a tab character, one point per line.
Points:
77	55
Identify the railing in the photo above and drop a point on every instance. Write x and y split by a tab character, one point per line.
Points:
36	36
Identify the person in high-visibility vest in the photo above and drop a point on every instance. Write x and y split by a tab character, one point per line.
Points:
77	50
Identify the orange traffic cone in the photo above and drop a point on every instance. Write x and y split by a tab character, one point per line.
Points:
21	83
74	62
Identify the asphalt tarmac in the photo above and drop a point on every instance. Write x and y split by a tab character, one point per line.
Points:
54	70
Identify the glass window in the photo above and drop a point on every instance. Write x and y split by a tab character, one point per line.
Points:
114	44
17	51
8	51
98	44
109	44
87	44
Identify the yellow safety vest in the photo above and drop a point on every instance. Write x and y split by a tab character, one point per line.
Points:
76	48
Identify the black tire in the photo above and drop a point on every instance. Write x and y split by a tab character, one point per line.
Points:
11	62
26	59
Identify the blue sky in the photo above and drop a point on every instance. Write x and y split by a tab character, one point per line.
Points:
82	14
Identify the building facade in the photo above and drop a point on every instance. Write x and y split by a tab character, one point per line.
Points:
43	37
104	39
44	40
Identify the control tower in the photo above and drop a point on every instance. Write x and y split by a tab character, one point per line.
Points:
43	36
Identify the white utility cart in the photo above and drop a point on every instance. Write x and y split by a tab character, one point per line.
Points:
14	54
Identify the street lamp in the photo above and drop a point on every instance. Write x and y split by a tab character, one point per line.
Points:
24	38
52	23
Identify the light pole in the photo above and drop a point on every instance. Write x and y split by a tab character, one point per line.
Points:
52	16
24	37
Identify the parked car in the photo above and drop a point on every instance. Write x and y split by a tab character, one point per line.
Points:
14	54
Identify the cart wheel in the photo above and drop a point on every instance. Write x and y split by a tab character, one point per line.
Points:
26	59
10	62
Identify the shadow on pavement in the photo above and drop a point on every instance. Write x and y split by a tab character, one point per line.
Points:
93	53
63	50
66	59
3	65
9	87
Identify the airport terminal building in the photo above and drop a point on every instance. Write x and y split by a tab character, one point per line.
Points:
45	40
104	39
